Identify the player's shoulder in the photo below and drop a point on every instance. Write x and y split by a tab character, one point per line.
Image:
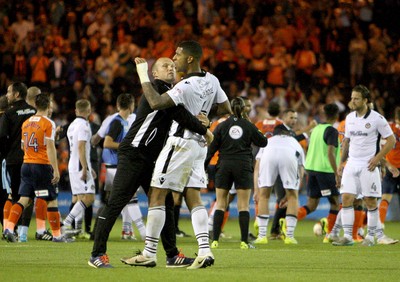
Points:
108	119
351	115
49	121
376	115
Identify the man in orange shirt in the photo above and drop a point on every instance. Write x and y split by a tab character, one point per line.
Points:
267	126
391	181
39	172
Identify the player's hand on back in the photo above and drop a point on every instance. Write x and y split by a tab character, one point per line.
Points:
203	119
209	137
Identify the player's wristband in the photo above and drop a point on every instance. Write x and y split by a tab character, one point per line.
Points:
142	72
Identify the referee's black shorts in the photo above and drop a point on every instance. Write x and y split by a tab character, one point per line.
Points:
239	172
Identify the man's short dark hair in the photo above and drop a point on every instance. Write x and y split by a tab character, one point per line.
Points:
331	110
124	101
20	88
364	92
42	102
192	48
281	130
274	109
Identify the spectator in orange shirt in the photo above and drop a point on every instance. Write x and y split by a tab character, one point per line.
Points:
39	64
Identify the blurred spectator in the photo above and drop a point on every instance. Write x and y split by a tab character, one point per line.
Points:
57	10
257	68
305	62
70	30
57	70
357	50
323	75
20	63
99	25
21	27
277	66
43	28
106	65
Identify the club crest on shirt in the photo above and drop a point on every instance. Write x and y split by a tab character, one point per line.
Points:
367	125
162	180
235	132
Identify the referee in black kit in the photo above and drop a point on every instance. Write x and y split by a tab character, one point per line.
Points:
233	139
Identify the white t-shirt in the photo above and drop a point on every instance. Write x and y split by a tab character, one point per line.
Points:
363	133
279	143
197	93
79	130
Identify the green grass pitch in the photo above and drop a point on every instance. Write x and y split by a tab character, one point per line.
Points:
310	260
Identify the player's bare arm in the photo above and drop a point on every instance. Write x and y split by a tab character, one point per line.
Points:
82	158
224	108
95	139
156	101
255	180
332	161
308	128
345	155
393	170
209	137
52	155
109	143
204	120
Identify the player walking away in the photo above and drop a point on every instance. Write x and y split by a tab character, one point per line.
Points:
40	204
81	174
322	160
361	174
96	138
39	172
115	133
137	154
233	138
10	134
284	157
4	188
180	165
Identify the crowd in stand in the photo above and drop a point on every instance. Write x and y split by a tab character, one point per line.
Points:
301	54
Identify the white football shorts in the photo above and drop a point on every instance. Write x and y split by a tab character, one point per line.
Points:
284	164
78	186
180	164
359	180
